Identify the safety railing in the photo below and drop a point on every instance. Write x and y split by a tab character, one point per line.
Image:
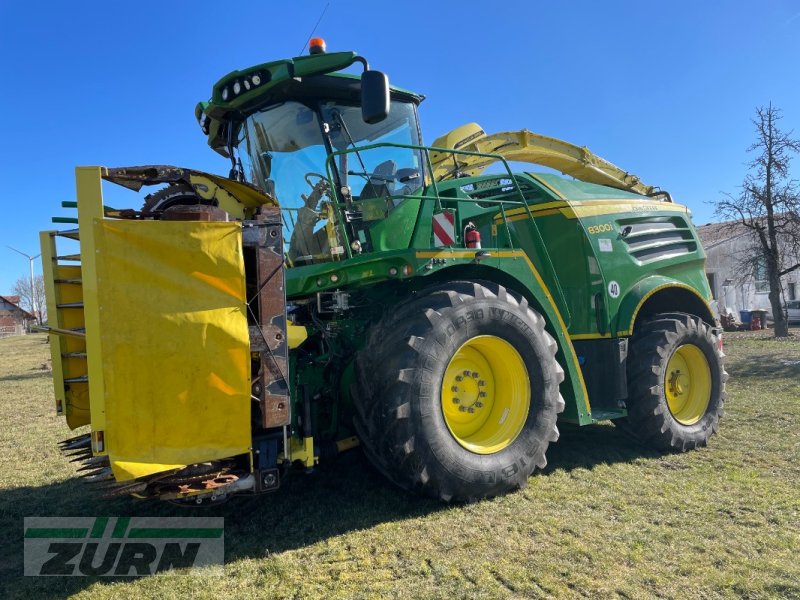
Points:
429	184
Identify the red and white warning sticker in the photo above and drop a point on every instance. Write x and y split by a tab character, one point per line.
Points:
444	228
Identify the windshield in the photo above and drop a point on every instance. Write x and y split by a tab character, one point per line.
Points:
283	151
279	146
390	168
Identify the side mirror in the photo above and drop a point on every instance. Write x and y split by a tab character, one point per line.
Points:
374	96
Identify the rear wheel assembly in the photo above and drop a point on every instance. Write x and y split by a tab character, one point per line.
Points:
457	392
676	383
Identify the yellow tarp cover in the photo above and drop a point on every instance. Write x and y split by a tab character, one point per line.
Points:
174	342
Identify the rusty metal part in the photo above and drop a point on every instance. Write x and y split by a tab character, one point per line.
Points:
269	338
206	185
194	212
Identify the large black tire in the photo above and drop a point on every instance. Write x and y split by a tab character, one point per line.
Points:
654	377
398	392
179	194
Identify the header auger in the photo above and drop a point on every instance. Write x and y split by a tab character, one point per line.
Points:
347	285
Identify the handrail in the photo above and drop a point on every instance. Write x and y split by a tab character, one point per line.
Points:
338	205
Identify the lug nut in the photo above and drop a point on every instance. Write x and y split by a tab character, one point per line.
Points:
475	375
456	400
481	383
479	404
454	388
471	409
482	394
462	408
466	373
459	378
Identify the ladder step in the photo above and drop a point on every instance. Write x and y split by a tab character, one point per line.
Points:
64	220
72	281
81	379
70	305
73	355
68	233
78	332
69	257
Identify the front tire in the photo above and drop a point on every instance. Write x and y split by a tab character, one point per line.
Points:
457	392
676	383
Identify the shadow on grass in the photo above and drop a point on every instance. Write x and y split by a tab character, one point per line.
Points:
767	365
37	374
586	447
344	495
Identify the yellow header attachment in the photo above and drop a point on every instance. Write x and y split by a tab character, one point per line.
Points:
149	334
525	146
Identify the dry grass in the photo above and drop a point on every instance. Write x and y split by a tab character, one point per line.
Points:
606	519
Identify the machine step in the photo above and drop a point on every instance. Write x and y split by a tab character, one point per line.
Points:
73	355
69	281
78	332
81	379
70	305
73	234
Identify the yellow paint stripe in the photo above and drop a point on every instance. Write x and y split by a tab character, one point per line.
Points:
593	208
589	336
520	254
535	209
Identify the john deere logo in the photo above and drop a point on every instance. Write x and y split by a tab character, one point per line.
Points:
121	546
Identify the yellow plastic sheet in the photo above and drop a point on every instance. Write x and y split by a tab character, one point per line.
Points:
174	342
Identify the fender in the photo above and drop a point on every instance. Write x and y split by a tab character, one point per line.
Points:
514	269
237	198
643	291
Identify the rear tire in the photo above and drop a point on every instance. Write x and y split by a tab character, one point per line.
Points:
432	429
676	383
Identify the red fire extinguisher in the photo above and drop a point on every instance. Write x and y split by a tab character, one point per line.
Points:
472	237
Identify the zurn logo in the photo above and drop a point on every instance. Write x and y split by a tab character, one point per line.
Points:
121	546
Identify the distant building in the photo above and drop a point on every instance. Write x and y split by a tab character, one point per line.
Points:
14	320
736	288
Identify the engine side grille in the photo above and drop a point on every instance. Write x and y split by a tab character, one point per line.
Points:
657	238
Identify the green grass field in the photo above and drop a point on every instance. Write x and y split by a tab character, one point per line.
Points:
606	518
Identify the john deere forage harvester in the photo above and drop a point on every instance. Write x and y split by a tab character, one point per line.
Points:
347	284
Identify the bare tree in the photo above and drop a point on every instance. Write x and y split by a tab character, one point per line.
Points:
769	206
33	301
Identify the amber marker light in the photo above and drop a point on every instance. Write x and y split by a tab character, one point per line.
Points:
316	46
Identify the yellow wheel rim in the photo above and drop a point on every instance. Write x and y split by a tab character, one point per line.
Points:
687	384
486	394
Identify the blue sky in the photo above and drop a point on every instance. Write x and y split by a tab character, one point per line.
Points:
665	90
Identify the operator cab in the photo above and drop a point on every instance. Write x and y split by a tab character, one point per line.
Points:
310	144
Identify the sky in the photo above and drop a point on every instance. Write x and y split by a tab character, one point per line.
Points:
665	90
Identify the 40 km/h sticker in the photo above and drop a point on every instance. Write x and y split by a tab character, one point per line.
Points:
613	289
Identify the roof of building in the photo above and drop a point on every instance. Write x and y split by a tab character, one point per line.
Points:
712	234
15	301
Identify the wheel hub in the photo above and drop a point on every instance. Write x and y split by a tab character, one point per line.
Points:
678	382
485	394
687	384
469	392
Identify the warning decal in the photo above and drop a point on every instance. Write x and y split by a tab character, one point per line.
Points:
444	229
